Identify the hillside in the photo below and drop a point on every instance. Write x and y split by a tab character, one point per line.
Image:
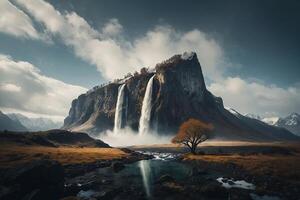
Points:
51	138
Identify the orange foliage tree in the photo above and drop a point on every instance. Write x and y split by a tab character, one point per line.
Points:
192	132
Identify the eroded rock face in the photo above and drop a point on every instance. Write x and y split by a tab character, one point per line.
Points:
179	93
93	111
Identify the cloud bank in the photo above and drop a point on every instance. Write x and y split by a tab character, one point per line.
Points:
112	54
115	56
15	22
254	97
24	89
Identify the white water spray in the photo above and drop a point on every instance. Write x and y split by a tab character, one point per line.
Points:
119	109
144	124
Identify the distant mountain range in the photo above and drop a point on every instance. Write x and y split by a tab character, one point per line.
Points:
291	122
34	124
7	123
19	122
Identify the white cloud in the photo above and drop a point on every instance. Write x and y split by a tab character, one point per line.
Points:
15	22
254	97
9	87
112	28
24	88
113	55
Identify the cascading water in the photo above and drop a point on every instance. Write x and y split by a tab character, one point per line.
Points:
144	124
119	109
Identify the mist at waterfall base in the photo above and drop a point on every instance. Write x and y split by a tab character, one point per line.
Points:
128	137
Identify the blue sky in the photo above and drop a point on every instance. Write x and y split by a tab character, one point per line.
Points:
249	51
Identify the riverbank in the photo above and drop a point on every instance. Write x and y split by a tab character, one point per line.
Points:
39	172
250	171
273	168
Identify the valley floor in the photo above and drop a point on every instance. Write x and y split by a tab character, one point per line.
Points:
274	169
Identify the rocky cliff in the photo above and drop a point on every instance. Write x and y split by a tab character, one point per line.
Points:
179	93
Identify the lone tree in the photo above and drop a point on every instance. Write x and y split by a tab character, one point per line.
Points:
192	132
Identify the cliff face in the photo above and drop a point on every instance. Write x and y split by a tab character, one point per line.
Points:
179	93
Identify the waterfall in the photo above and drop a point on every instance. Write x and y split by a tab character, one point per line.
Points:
119	109
146	108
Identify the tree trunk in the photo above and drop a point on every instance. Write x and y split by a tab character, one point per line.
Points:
193	149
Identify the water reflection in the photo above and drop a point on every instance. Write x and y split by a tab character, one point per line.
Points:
162	164
146	173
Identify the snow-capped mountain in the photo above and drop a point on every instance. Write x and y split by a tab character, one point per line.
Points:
291	123
271	120
7	123
233	111
35	124
268	120
254	116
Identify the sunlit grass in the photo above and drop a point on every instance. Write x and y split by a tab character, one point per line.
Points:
12	155
286	166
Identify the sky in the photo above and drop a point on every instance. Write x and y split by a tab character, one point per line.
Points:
52	51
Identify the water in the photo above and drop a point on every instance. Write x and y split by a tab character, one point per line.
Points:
145	173
143	176
230	183
144	124
119	109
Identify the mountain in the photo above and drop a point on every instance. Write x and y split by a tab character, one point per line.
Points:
179	93
8	124
291	123
35	124
268	120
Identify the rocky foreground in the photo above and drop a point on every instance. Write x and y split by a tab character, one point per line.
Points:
256	171
36	165
40	177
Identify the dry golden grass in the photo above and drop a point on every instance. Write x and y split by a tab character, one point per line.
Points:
284	166
215	143
12	155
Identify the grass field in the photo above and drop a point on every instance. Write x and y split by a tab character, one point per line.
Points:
13	155
276	159
285	166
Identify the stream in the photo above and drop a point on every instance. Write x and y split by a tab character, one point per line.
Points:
141	179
